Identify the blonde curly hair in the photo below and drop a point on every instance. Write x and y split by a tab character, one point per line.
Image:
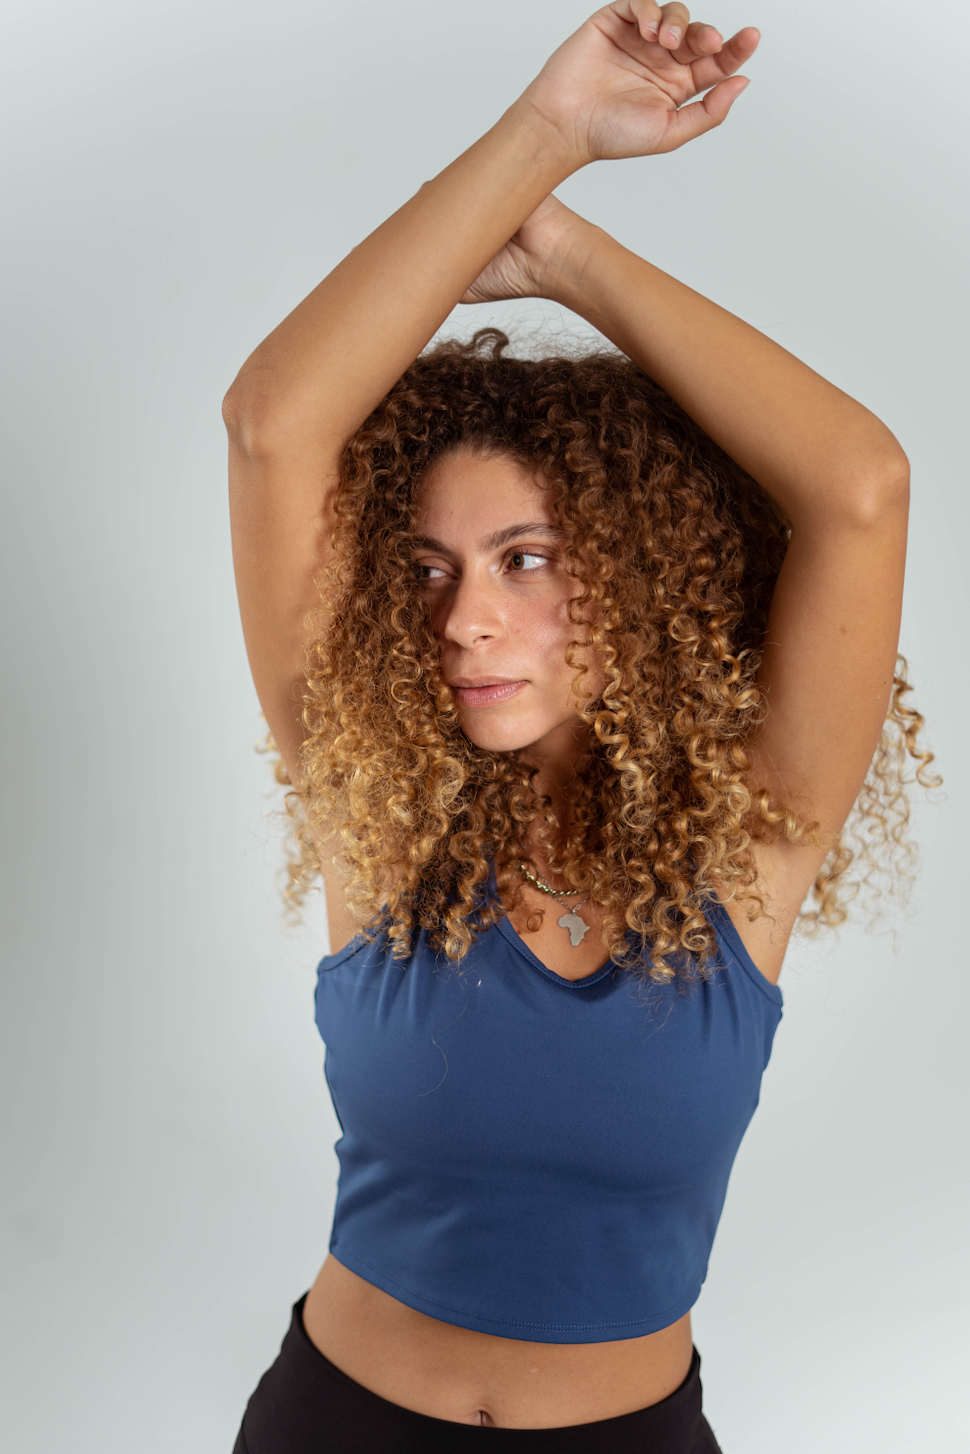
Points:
677	549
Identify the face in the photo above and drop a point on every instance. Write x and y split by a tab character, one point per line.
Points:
488	562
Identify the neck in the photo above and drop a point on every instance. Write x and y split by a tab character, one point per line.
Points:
555	756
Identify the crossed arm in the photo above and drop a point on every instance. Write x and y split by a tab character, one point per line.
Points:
487	227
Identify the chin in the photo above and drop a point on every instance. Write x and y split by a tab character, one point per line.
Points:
496	741
492	734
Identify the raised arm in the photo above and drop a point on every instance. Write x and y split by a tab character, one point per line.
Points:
820	453
306	389
615	88
837	470
612	89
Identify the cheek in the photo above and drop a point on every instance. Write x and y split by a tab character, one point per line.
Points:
543	638
544	627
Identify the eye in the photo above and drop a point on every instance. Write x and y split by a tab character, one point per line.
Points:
521	561
428	572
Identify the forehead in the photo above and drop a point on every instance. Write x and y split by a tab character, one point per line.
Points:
467	494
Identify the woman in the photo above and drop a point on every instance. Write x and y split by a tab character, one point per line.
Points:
613	636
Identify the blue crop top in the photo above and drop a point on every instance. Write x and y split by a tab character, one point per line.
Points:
530	1156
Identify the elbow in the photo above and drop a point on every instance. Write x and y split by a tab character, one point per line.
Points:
237	408
251	415
875	484
885	485
232	412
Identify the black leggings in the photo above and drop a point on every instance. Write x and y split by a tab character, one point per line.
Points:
305	1405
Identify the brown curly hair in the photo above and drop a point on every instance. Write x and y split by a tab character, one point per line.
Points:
677	549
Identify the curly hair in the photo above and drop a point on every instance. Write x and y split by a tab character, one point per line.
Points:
677	550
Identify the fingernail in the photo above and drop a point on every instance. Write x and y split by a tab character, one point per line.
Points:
652	29
673	35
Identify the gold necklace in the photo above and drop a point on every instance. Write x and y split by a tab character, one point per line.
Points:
570	921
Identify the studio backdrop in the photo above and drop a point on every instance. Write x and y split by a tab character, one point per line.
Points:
176	177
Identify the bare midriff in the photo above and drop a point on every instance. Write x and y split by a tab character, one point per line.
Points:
455	1373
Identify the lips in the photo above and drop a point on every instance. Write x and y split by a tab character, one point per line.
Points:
486	694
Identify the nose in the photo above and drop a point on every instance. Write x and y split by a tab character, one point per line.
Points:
470	616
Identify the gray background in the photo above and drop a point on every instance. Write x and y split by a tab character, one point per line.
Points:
175	178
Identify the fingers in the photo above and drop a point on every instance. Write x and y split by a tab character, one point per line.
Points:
664	24
708	69
700	40
673	24
704	115
671	27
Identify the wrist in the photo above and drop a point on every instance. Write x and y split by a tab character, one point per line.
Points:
566	274
546	144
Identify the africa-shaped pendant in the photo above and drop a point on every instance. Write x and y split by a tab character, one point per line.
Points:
577	927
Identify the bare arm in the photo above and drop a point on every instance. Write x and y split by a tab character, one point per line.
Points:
615	88
307	388
610	90
843	479
820	453
838	471
334	357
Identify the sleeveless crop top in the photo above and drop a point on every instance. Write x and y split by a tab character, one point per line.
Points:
530	1156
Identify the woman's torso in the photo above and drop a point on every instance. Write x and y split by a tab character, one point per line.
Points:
473	1377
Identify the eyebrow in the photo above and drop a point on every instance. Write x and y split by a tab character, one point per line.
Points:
496	540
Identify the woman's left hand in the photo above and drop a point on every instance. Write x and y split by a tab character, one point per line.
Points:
528	263
617	86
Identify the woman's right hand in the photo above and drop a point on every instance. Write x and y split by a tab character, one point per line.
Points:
532	259
613	89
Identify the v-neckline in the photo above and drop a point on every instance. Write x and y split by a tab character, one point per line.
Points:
507	928
515	939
